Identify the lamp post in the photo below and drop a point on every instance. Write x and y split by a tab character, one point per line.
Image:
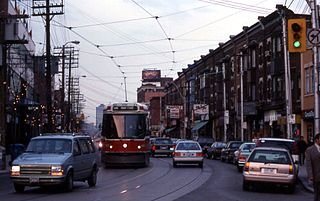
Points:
63	82
184	105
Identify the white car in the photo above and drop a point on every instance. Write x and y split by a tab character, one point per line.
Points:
188	152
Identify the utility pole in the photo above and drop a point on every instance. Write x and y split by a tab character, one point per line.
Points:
241	95
225	113
315	26
43	8
69	95
286	72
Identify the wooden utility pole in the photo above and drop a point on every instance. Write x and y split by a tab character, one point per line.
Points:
45	9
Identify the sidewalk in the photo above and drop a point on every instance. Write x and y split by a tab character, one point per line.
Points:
303	179
6	171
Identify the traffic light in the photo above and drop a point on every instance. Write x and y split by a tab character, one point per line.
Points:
297	34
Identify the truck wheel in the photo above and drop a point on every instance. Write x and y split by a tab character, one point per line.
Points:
68	184
92	180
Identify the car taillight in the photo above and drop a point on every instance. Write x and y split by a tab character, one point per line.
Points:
199	154
153	148
290	169
242	158
246	167
176	154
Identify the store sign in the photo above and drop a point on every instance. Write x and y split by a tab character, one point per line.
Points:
308	114
174	111
201	109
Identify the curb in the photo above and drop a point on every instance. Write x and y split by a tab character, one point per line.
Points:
306	186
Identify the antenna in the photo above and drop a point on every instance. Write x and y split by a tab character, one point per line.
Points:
125	88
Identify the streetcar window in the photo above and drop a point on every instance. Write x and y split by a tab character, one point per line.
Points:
124	126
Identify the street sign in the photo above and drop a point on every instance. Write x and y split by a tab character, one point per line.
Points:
314	36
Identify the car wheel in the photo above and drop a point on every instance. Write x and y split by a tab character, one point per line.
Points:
291	188
201	165
92	180
18	188
240	169
175	164
68	184
245	185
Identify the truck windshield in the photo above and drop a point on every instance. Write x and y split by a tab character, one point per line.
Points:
49	146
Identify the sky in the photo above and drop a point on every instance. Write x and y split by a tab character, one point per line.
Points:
120	38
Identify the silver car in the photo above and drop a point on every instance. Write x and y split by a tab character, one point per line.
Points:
188	152
56	159
270	165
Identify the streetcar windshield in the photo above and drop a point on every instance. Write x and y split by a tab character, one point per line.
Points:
132	126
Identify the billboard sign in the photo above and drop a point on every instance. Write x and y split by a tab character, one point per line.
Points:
151	75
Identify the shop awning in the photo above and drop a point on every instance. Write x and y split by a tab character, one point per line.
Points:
168	130
198	126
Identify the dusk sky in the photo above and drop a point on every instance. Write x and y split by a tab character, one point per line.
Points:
120	38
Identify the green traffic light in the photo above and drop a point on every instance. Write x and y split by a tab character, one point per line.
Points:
296	44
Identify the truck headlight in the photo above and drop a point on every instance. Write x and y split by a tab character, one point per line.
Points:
15	170
56	170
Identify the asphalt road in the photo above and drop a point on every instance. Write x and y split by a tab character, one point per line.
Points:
158	182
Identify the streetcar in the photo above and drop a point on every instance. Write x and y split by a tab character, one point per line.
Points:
125	135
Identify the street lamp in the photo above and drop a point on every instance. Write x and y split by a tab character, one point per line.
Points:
63	82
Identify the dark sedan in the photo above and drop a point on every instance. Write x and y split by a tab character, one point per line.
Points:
214	150
227	153
162	146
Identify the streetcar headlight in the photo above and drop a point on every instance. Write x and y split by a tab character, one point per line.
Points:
110	146
139	147
125	145
100	145
15	170
56	170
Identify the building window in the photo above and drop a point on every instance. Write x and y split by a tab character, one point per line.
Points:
309	80
253	58
202	81
279	44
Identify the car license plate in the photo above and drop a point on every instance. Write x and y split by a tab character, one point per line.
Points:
34	180
268	171
163	147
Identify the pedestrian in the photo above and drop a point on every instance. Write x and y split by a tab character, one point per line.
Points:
302	145
313	166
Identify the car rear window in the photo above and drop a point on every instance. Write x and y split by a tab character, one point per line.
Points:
188	146
248	147
163	141
270	156
289	145
235	145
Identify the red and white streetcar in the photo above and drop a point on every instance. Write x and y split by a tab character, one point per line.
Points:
124	136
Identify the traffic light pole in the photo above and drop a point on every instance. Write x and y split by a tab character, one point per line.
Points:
287	75
315	25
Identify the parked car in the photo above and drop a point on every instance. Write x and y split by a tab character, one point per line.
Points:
227	153
162	146
214	150
56	159
270	165
240	156
188	152
205	143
